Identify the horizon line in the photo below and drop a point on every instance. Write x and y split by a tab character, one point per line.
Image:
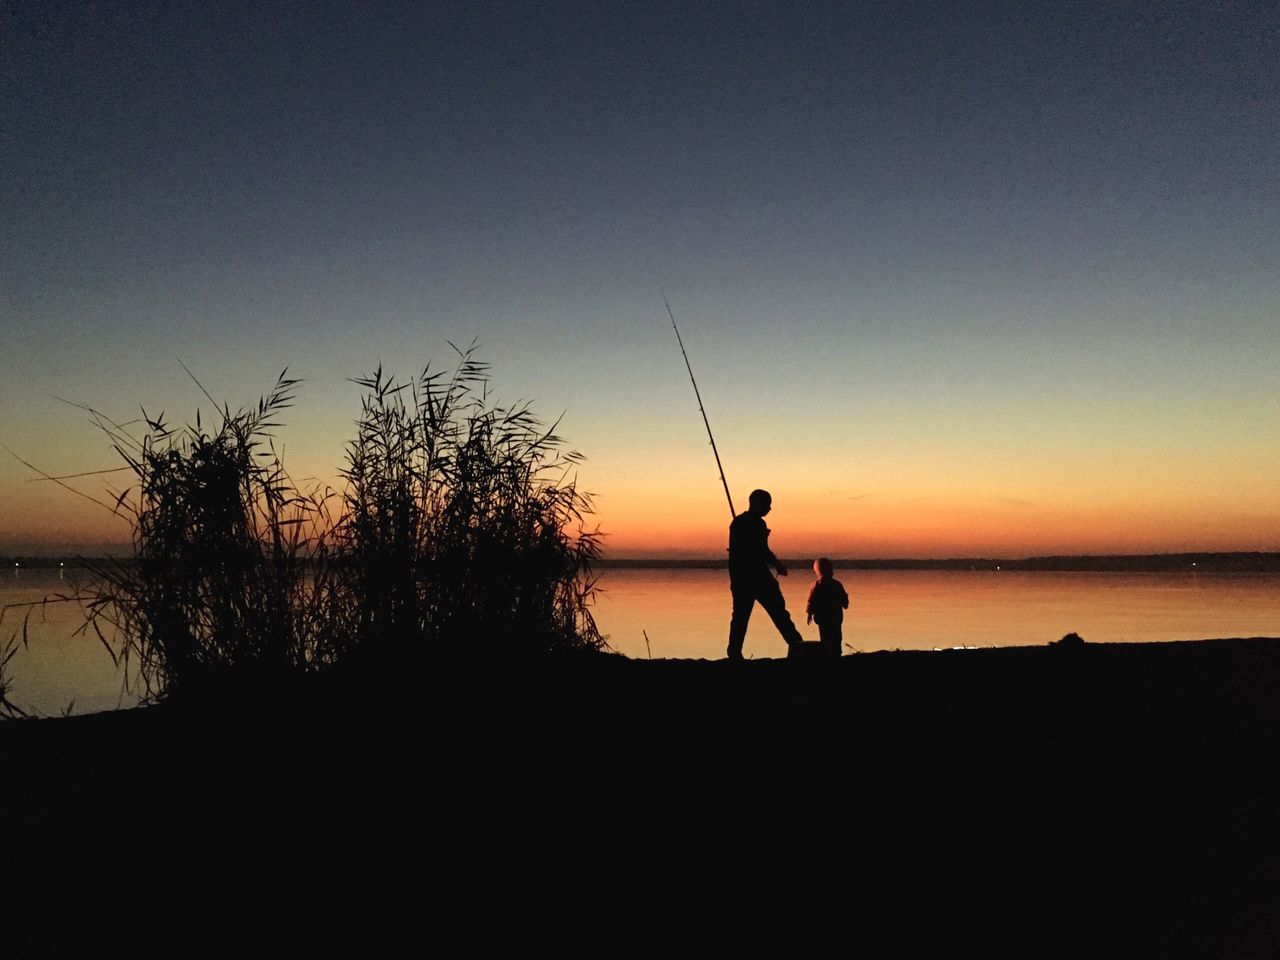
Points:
1271	557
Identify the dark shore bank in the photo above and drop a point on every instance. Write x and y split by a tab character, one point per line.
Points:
1125	786
1238	562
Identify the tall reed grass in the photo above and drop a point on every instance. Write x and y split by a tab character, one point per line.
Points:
8	709
458	530
218	580
462	525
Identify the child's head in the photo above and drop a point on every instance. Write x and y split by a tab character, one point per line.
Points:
822	567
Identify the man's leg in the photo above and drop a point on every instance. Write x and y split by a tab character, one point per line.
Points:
743	601
770	597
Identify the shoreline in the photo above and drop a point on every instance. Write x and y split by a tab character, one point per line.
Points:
298	690
1210	667
1246	562
1182	562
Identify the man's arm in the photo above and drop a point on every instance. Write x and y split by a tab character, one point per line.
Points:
769	558
776	563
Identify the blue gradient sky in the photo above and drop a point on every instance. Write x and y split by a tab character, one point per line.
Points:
955	279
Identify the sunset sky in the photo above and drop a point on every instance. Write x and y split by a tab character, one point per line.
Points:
956	279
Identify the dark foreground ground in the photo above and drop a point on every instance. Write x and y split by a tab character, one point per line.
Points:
1107	800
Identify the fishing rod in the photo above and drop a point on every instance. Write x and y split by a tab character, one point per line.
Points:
701	408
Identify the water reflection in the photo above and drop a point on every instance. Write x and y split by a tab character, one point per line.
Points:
56	670
686	612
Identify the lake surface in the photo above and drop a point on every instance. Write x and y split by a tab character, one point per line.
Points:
686	614
56	670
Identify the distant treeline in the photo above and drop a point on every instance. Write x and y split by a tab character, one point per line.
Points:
1142	563
1151	562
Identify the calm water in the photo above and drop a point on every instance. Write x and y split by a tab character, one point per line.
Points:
686	614
57	670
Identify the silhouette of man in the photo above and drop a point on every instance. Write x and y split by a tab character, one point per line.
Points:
750	581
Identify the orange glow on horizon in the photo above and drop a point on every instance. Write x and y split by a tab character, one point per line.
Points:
1006	510
934	528
938	527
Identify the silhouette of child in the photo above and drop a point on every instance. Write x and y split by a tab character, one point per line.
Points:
827	604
